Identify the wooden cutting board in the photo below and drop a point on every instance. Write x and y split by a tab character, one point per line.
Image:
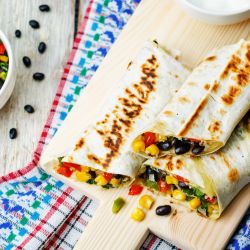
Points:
166	22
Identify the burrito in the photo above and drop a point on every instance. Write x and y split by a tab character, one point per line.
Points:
205	184
102	154
201	116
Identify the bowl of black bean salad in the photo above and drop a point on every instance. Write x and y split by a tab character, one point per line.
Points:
7	70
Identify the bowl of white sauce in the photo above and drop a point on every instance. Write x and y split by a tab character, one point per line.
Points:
218	11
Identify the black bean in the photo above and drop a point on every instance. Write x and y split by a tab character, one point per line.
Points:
18	33
164	145
26	61
182	185
34	24
197	149
175	142
42	47
149	170
182	148
38	76
13	133
163	210
29	109
44	8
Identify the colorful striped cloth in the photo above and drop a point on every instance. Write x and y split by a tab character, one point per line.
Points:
36	210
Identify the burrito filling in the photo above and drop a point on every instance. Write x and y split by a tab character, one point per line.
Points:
180	189
90	175
153	144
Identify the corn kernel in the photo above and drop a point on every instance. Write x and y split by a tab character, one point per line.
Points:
85	169
115	182
210	209
171	180
82	176
146	201
161	137
152	150
138	214
4	59
138	146
194	203
100	180
179	195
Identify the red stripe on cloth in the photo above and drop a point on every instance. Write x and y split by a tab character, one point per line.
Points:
152	241
44	134
52	242
54	207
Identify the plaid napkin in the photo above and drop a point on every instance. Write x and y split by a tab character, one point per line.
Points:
38	211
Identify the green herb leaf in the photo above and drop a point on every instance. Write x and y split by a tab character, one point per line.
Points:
152	184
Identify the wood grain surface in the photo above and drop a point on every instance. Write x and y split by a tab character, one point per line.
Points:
166	22
57	30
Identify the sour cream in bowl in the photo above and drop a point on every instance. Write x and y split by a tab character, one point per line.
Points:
7	70
217	11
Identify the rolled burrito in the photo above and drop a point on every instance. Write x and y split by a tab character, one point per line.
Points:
102	154
205	184
201	116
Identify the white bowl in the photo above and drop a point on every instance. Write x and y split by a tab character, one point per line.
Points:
8	86
221	17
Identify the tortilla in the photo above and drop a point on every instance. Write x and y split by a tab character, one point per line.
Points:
150	81
211	102
222	174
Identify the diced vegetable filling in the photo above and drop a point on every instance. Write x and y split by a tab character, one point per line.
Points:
90	175
154	144
4	64
180	189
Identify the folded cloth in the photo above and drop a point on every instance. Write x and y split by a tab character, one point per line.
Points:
36	210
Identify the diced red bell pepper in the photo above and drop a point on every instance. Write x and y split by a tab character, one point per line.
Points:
72	165
181	179
211	200
163	186
2	49
149	138
135	189
108	176
193	139
64	171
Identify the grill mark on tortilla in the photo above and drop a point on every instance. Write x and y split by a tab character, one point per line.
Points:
184	99
129	107
233	175
222	111
191	120
233	92
214	127
215	87
228	165
232	66
179	164
79	144
210	58
207	86
168	112
129	64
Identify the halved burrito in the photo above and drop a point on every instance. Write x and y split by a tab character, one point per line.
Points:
201	116
102	153
205	184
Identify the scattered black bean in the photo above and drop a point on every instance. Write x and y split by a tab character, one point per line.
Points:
29	109
38	76
18	33
197	149
149	170
34	24
44	8
26	61
42	47
182	147
164	145
13	133
163	210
